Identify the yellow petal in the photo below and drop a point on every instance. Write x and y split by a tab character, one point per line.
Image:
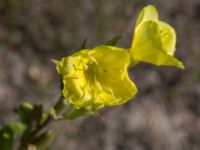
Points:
148	13
154	42
97	77
168	37
115	80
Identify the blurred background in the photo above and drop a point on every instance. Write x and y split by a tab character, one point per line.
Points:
164	114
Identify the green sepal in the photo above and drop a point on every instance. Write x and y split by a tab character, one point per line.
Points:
54	61
76	113
58	110
113	41
54	114
83	45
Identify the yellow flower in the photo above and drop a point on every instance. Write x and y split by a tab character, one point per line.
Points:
154	41
97	77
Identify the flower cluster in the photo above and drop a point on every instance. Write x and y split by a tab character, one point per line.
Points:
99	77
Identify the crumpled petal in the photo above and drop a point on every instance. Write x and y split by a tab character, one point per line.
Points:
154	41
97	77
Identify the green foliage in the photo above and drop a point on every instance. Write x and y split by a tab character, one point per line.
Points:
24	112
35	118
8	132
29	114
6	139
17	127
30	117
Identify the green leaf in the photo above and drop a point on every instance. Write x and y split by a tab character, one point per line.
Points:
6	140
17	127
8	132
113	41
76	113
24	112
30	114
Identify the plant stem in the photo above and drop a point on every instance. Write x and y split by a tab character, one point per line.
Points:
30	134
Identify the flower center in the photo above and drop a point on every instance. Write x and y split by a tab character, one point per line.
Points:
94	69
93	75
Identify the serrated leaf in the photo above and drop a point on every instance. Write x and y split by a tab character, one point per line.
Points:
113	41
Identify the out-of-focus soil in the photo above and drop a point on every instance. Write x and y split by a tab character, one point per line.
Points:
165	113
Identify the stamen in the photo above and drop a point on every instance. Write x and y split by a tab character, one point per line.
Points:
94	60
108	90
112	93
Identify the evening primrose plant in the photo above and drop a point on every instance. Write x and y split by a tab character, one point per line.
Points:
92	79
